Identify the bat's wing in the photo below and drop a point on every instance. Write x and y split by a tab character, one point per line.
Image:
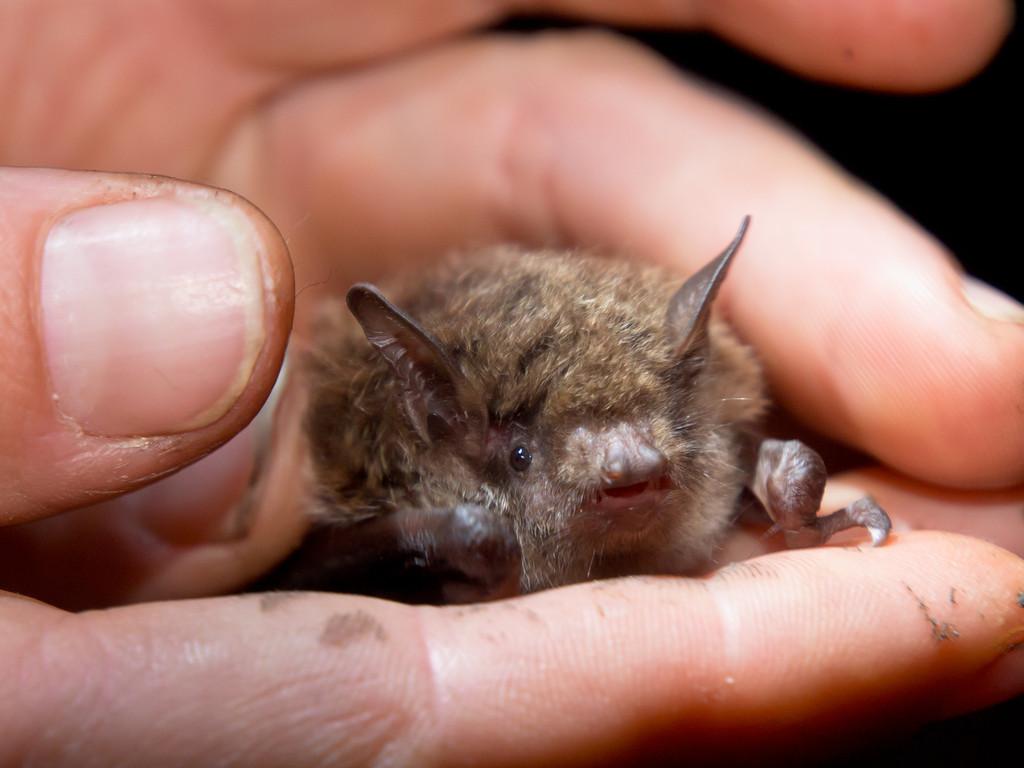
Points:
463	554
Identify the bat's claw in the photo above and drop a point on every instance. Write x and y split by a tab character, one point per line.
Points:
866	513
878	535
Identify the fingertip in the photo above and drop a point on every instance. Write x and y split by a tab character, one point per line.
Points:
873	340
940	393
804	650
907	47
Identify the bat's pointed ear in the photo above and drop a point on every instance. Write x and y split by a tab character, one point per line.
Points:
435	394
690	307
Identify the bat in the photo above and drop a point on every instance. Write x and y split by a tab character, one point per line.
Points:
515	420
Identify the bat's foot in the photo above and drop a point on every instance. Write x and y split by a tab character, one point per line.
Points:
789	481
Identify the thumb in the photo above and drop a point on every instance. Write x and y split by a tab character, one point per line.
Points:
142	323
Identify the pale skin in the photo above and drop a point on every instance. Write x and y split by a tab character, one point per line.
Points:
372	135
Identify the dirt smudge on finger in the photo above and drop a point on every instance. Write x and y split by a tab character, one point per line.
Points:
271	600
941	630
344	628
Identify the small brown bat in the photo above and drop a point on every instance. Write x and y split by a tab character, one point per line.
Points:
521	420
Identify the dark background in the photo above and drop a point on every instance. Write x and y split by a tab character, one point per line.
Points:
951	160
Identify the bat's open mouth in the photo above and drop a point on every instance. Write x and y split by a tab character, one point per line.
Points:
635	496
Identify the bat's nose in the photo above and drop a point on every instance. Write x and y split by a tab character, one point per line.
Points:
630	458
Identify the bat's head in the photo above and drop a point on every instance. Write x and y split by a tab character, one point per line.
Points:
590	402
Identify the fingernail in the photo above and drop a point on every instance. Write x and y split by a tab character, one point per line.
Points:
152	314
992	303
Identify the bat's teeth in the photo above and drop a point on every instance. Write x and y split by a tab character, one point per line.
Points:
628	491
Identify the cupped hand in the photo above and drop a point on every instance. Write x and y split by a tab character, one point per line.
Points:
144	319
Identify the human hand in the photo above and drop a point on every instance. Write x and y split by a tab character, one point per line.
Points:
569	138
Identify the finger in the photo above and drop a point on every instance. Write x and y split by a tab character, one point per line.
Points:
144	322
803	653
870	44
233	58
865	326
915	46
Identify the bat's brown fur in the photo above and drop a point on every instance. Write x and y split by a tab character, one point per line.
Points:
548	341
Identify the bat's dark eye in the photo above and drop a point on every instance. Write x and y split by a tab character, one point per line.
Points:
520	459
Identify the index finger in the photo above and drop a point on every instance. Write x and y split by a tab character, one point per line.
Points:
804	652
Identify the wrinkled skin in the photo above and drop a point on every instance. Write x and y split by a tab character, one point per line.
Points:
373	136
